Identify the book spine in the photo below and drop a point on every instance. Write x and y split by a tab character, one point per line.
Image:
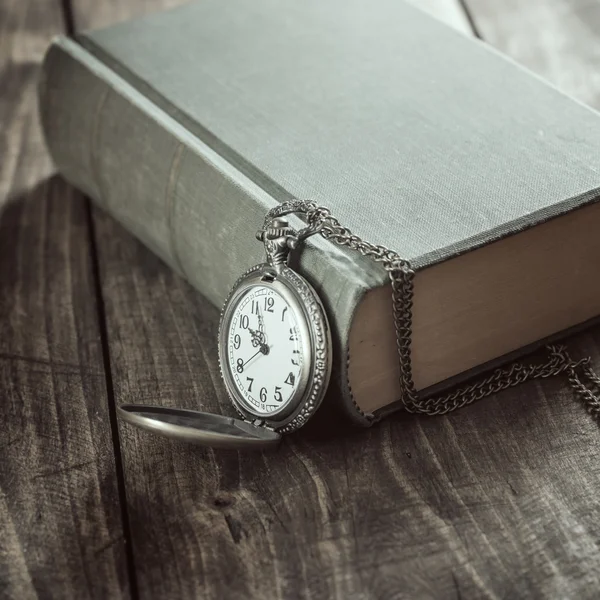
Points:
182	199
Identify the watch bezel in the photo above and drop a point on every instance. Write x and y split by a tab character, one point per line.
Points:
315	340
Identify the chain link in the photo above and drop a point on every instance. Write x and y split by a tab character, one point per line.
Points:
320	220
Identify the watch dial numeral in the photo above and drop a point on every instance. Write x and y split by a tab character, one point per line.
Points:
265	353
269	303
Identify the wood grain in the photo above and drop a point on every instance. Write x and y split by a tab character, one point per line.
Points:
495	501
60	516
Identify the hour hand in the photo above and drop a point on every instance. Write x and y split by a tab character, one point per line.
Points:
257	336
258	339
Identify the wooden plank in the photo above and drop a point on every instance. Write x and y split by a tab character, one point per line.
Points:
494	501
60	515
558	39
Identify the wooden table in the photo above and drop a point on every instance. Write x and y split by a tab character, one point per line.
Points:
499	500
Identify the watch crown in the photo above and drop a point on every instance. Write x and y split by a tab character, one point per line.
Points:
279	223
278	239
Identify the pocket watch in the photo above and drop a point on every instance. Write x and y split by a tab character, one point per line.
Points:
274	347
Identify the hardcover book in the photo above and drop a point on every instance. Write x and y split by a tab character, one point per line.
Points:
189	125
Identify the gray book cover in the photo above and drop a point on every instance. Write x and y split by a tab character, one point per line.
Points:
188	125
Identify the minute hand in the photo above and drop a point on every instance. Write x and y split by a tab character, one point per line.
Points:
262	333
261	323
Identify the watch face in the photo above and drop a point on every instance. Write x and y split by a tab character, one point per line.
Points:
266	349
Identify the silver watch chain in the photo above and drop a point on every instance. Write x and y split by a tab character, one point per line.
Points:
583	380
